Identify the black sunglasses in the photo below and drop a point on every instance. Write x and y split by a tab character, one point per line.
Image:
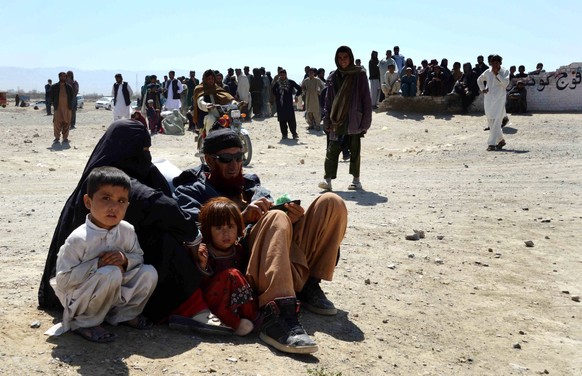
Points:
227	157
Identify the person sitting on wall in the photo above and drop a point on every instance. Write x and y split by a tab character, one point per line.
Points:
517	99
466	87
539	69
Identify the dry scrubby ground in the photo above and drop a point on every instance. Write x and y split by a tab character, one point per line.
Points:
457	302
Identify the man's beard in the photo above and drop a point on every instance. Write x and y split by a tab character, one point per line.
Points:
230	187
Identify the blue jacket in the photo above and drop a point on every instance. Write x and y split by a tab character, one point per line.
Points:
193	189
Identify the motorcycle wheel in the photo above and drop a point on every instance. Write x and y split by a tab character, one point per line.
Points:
248	147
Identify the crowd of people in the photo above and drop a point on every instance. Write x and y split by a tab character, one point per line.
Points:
397	75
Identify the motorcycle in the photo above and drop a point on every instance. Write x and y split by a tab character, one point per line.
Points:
230	117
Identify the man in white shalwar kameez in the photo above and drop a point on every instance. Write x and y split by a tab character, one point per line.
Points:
172	90
121	94
492	84
243	92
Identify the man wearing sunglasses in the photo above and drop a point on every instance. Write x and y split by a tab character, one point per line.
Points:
290	250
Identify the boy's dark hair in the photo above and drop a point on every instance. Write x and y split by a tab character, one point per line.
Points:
106	175
217	212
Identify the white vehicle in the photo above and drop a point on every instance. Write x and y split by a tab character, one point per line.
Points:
80	101
105	102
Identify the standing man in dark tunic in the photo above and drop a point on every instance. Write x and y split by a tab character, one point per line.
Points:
75	85
47	97
284	91
374	73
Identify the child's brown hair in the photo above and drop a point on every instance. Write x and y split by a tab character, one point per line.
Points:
217	212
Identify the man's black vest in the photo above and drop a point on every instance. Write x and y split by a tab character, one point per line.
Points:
123	90
174	84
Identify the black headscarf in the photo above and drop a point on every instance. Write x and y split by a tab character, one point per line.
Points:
121	146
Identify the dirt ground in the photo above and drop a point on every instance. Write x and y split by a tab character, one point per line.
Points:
470	298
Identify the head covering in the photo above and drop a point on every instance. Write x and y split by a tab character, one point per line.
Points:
221	139
220	95
121	146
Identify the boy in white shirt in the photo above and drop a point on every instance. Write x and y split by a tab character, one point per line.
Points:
100	271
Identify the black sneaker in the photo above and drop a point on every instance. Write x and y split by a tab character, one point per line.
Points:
282	330
314	299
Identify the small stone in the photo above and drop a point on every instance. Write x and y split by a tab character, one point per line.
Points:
529	243
232	360
385	321
522	332
576	298
391	266
52	169
414	236
36	135
565	292
438	261
546	220
411	255
490	249
27	141
547	237
498	255
517	346
420	233
367	281
302	161
35	324
525	209
440	237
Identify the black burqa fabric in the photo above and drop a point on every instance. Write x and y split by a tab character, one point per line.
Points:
160	224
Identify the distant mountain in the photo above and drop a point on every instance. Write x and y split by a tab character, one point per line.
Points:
90	81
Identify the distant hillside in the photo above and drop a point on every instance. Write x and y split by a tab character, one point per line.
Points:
90	82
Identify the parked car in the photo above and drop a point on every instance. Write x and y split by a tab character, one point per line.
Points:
39	104
105	102
80	101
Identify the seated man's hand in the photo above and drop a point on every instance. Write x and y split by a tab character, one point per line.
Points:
294	211
255	210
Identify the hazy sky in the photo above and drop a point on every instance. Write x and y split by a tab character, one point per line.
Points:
165	35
